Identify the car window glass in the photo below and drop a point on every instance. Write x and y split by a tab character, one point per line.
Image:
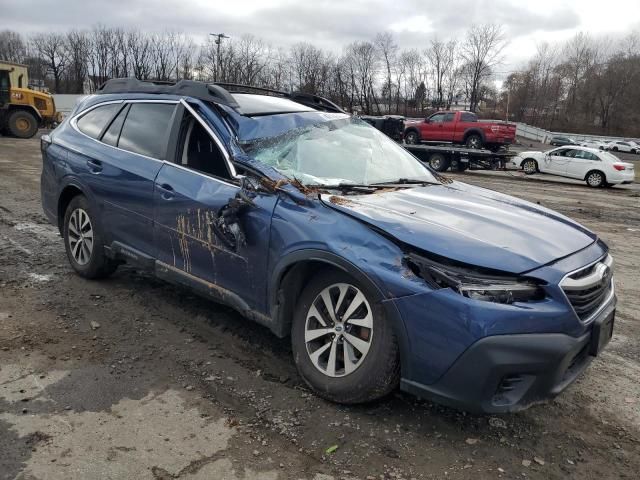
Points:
448	117
93	122
559	153
110	137
437	118
198	151
145	129
469	117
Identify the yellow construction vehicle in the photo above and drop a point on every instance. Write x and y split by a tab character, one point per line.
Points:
23	109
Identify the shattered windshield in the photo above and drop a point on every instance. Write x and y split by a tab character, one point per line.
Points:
339	152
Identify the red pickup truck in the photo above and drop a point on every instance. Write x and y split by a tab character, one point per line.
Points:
460	127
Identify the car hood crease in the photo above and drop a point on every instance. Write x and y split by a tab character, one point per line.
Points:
470	225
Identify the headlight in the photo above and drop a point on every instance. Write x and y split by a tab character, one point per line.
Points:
474	283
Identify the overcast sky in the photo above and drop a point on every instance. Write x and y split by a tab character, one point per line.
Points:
334	23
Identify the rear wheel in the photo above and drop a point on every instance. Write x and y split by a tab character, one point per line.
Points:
438	162
596	179
473	141
412	137
529	166
83	241
22	124
343	345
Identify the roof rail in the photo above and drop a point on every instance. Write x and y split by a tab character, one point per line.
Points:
217	92
191	88
308	99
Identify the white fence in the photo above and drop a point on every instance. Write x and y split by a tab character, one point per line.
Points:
540	135
66	102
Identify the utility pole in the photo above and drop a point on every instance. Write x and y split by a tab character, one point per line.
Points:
218	41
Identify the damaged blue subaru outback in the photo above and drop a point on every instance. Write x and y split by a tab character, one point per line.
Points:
316	225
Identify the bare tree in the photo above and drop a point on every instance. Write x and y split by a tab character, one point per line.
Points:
77	51
442	58
52	49
12	47
388	51
481	51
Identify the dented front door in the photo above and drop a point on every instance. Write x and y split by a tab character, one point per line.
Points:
186	204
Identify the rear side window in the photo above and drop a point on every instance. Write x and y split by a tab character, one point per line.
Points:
468	117
93	122
112	134
146	129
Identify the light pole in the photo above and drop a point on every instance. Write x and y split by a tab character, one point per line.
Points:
218	41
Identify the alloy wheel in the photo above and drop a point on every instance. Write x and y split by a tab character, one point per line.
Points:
80	234
338	330
594	179
529	166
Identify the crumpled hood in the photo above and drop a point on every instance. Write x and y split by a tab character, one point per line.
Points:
469	224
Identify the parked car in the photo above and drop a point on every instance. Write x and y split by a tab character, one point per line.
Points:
319	227
596	167
623	146
462	128
600	145
560	140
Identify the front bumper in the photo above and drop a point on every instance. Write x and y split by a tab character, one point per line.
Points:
507	373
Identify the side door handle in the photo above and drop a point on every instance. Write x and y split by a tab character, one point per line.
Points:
94	165
167	191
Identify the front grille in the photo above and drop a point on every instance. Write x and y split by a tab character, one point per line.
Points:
588	288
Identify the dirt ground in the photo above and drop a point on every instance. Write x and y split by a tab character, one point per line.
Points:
131	378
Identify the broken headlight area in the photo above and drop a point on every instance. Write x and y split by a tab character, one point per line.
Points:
474	283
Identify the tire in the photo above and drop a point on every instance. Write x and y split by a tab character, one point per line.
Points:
22	124
438	162
86	257
530	166
473	141
375	373
412	138
596	179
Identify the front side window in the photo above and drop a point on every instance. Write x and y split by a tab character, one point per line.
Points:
344	151
198	151
448	117
146	129
93	122
437	118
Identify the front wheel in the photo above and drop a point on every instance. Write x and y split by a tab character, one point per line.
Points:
438	162
22	124
530	166
83	241
596	179
412	138
343	345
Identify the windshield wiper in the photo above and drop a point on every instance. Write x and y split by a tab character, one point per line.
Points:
405	181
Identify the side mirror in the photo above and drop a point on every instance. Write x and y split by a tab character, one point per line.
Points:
427	120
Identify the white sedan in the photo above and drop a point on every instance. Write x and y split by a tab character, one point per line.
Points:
600	145
623	146
596	167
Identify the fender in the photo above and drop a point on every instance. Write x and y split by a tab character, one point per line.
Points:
474	130
28	107
72	181
282	325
